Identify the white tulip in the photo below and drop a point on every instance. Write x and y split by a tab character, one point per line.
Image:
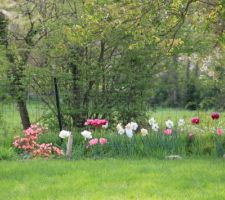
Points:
105	126
155	127
169	124
129	130
181	122
144	132
121	131
86	134
119	126
134	126
129	133
64	134
151	121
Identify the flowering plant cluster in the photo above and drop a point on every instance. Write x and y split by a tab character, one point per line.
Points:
88	134
131	127
95	141
30	146
97	123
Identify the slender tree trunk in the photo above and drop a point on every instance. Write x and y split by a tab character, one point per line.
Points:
24	116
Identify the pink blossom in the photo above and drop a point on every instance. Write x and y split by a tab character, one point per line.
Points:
195	120
96	122
93	141
102	141
168	131
29	144
219	131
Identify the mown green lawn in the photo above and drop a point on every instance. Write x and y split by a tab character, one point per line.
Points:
113	179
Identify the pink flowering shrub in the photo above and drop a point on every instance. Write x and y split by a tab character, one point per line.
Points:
29	145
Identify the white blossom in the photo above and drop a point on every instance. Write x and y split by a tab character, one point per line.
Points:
129	130
119	126
134	126
151	121
181	122
86	134
64	134
106	125
121	131
144	132
169	124
155	127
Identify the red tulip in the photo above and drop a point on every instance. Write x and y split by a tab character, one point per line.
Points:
195	120
215	115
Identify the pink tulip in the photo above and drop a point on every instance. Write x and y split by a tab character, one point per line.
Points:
168	131
195	120
219	131
102	141
93	141
96	122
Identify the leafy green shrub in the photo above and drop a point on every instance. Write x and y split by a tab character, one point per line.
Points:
7	153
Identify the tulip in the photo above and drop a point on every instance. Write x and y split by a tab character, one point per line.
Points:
64	134
169	124
219	131
86	134
195	120
102	141
215	115
144	132
93	142
168	131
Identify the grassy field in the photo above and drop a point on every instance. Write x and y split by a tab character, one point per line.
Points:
113	179
10	119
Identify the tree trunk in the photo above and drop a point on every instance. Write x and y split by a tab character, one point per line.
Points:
25	120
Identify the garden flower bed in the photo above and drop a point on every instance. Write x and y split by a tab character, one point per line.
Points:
99	139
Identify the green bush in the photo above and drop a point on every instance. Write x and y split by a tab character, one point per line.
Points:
7	153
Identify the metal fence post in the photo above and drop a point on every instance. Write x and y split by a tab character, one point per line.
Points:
59	116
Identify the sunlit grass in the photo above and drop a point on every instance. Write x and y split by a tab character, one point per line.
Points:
113	179
10	119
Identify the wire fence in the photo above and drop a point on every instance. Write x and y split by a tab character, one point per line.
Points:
74	102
